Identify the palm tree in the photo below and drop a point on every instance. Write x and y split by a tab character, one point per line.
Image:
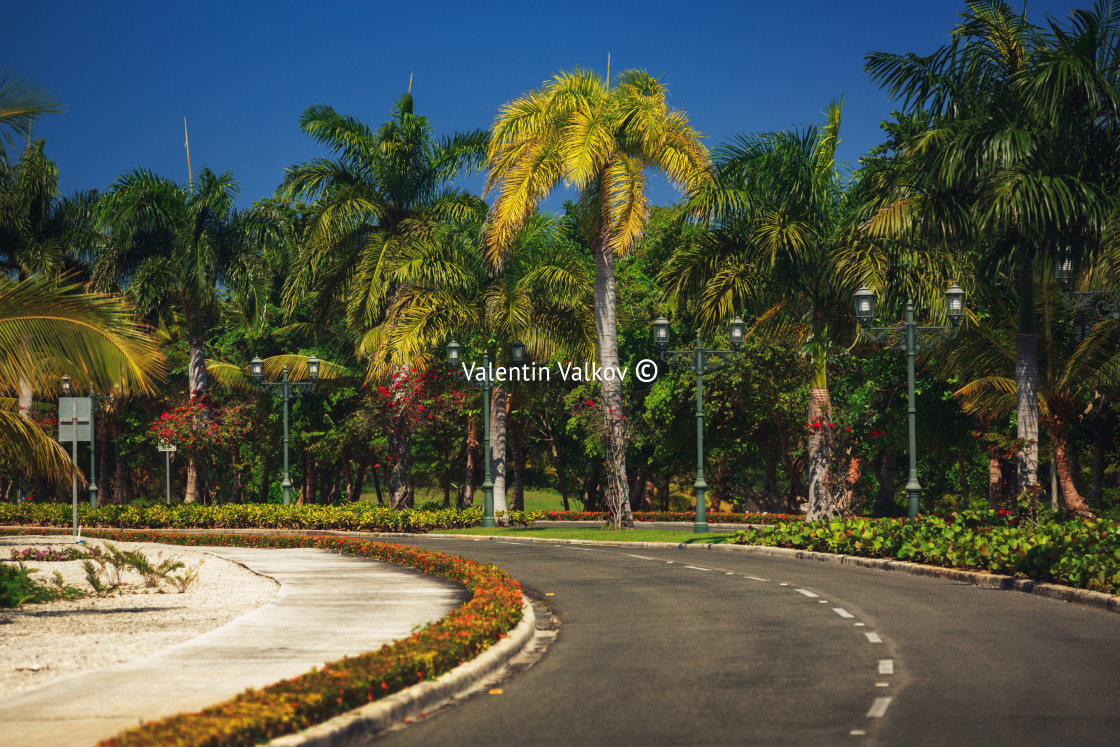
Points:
578	130
182	248
541	297
781	218
48	329
1017	159
385	191
1072	366
20	102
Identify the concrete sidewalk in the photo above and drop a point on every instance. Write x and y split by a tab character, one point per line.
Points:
329	606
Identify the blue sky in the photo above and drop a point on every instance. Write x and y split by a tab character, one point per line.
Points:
242	72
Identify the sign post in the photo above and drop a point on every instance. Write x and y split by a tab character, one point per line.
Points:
74	418
167	448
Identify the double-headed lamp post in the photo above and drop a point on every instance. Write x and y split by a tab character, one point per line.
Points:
701	360
95	401
455	362
288	390
1099	303
908	338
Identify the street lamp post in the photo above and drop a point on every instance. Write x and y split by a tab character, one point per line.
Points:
1099	303
96	403
485	382
288	390
702	360
908	338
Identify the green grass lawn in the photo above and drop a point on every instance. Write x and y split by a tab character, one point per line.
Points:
540	499
682	536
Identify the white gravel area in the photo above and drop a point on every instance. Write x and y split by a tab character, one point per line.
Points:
44	642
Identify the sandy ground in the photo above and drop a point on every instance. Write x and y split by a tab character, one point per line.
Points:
44	642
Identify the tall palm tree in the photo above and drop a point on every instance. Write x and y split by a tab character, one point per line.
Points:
541	297
49	329
781	219
1018	158
578	130
173	247
1072	366
382	192
20	103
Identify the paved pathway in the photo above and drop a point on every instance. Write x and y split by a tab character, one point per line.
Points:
329	606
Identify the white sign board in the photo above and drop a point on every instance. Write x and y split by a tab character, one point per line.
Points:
74	416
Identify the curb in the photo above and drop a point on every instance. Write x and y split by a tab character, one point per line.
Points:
1096	599
357	726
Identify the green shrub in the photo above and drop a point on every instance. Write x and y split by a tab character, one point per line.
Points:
1084	554
17	588
364	517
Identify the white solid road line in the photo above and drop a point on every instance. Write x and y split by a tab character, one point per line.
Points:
754	578
843	613
806	593
886	666
879	708
873	637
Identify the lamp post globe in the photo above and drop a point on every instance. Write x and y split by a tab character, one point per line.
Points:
661	332
954	303
313	368
864	300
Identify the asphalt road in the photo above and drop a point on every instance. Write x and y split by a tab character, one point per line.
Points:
669	647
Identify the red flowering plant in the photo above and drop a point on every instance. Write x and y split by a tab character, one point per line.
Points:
197	427
421	413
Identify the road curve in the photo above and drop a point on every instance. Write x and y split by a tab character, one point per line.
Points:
668	646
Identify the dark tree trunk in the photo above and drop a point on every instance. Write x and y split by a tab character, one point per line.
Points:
377	485
120	473
591	495
791	466
771	463
888	476
1074	504
962	467
557	461
1100	444
639	496
266	477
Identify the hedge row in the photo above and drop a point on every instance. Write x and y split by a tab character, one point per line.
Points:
1084	554
688	516
290	705
365	517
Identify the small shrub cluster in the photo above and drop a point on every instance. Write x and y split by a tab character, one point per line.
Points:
104	567
285	707
363	517
687	516
50	555
1083	554
17	588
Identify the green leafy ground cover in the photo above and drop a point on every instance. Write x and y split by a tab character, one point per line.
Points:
1084	554
255	716
363	517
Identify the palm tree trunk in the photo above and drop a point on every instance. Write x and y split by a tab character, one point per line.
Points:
26	400
466	498
196	374
822	504
606	331
995	478
1026	381
400	443
498	444
1074	504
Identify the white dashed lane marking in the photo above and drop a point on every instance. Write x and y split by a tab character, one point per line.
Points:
806	593
886	666
879	708
697	568
754	578
873	637
843	613
642	557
